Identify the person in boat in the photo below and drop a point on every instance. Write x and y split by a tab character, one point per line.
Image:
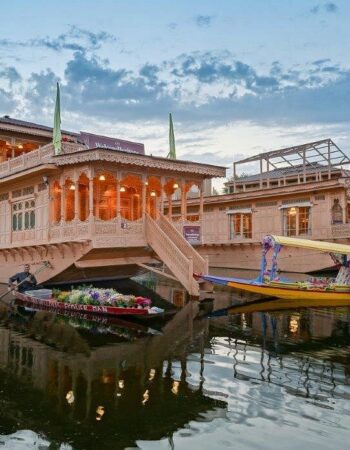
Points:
26	280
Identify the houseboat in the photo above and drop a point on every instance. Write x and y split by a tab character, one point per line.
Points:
96	209
301	191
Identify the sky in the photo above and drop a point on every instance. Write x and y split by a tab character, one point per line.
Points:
239	76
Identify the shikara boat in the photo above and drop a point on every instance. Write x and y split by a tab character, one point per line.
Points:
54	305
269	284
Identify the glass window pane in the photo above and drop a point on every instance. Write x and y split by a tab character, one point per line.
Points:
14	222
19	221
304	220
291	221
26	220
237	224
32	219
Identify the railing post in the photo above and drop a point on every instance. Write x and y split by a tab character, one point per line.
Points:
190	274
206	259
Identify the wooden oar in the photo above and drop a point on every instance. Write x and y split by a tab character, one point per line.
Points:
46	265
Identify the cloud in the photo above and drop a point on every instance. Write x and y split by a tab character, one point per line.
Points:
202	87
75	39
328	7
173	25
203	21
7	102
92	86
331	7
10	74
320	62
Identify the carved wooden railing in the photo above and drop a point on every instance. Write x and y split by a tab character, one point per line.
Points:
117	232
35	158
26	161
200	265
180	265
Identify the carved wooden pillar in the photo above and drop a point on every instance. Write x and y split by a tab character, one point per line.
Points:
144	187
201	202
91	198
63	198
76	199
98	198
162	182
118	198
183	201
13	145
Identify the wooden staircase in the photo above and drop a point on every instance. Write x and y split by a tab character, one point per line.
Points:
173	249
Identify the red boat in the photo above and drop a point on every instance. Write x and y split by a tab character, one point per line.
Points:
51	303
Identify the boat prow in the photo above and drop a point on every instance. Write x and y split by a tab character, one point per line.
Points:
54	305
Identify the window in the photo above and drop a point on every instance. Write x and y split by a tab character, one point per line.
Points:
296	221
240	225
23	215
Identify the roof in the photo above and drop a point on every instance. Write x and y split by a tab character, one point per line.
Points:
286	171
7	120
318	155
327	247
290	150
82	155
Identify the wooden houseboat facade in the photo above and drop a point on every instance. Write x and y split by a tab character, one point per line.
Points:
95	210
308	196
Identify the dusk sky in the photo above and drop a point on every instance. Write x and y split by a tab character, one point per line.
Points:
239	76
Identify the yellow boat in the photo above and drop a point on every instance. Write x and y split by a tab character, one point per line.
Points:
278	305
270	285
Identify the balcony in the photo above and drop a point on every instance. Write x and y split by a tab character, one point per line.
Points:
34	158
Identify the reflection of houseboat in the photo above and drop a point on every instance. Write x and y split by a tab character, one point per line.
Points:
300	191
122	388
95	210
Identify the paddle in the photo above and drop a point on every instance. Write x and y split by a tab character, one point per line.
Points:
46	265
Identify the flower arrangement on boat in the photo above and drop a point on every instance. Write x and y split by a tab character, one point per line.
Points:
87	295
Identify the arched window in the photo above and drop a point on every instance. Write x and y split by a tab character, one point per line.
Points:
192	190
131	197
105	196
153	193
69	197
83	186
56	204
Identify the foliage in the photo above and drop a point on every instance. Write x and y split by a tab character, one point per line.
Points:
87	295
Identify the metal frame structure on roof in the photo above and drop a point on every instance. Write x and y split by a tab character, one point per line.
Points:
318	155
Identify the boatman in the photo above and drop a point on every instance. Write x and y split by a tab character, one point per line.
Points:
29	280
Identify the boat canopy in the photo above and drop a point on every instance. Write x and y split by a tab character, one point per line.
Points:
327	247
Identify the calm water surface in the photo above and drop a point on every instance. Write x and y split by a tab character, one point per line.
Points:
259	378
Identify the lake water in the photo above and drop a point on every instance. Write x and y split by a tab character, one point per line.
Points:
270	378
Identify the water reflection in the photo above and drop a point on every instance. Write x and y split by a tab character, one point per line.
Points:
261	375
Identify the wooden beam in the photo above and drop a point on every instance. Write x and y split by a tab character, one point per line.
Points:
158	272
